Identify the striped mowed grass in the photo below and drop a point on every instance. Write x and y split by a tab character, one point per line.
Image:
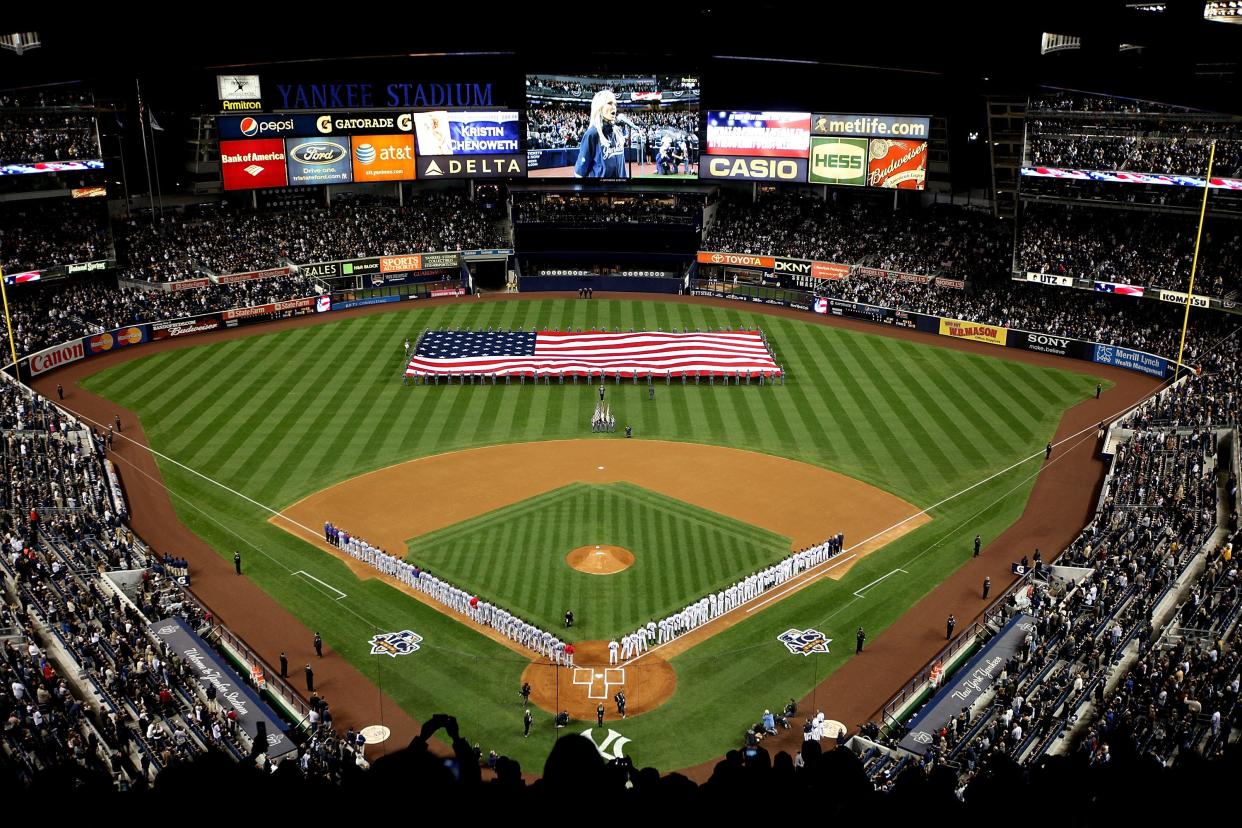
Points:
279	416
516	556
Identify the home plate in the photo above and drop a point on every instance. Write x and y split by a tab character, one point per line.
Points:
374	734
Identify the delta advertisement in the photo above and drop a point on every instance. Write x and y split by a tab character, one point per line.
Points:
975	331
249	165
897	165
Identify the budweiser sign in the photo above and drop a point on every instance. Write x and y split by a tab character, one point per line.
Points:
897	164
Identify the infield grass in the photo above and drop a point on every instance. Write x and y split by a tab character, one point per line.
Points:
279	416
516	555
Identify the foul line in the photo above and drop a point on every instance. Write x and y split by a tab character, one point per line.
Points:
316	580
860	591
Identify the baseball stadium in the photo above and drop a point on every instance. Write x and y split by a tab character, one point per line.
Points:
680	424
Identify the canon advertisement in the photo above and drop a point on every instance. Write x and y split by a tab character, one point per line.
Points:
248	165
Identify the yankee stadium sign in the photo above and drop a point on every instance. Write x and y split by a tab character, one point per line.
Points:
396	95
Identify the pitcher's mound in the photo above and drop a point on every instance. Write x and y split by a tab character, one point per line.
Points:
600	559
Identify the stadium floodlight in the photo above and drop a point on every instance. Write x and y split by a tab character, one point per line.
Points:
1147	7
20	41
1050	43
1219	11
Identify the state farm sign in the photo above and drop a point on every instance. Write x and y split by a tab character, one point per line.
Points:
55	357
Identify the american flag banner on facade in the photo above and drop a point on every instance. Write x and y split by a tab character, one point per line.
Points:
647	353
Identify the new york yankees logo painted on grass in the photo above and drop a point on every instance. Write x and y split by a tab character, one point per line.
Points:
804	642
395	643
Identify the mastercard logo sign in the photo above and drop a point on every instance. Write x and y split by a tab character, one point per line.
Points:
116	339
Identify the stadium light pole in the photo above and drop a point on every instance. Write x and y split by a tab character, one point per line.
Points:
1194	263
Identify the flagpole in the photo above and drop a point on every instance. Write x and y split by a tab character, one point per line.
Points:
1194	264
146	159
154	155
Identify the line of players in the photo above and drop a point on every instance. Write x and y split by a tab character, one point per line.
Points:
481	612
552	648
717	604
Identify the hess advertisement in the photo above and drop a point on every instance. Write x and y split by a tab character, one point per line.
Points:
897	165
838	161
318	161
383	157
246	165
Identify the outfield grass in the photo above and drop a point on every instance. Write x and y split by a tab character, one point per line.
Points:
516	556
279	416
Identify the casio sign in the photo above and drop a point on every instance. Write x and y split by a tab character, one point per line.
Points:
837	160
776	169
318	152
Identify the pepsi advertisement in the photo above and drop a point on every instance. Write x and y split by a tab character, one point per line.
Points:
234	127
318	161
466	133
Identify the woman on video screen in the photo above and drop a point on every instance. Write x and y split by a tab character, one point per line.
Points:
602	153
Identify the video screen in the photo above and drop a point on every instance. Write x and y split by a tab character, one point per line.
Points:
612	127
757	146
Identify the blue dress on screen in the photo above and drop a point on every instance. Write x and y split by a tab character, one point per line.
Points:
601	156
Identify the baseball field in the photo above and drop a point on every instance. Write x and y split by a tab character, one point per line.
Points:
263	438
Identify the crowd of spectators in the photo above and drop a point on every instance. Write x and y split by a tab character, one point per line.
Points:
1131	247
67	96
28	137
48	314
1158	509
86	687
38	235
581	88
233	241
940	240
1068	144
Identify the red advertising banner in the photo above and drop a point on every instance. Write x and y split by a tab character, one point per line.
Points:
900	165
829	270
737	259
271	307
449	292
251	276
188	284
247	165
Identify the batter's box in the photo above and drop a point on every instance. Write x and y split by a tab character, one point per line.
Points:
599	682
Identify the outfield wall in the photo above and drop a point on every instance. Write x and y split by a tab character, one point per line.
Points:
1103	354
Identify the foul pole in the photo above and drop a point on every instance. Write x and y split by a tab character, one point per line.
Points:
1194	263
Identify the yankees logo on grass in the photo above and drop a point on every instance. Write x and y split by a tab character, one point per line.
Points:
804	642
395	643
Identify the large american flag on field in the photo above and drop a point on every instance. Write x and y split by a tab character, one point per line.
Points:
592	352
